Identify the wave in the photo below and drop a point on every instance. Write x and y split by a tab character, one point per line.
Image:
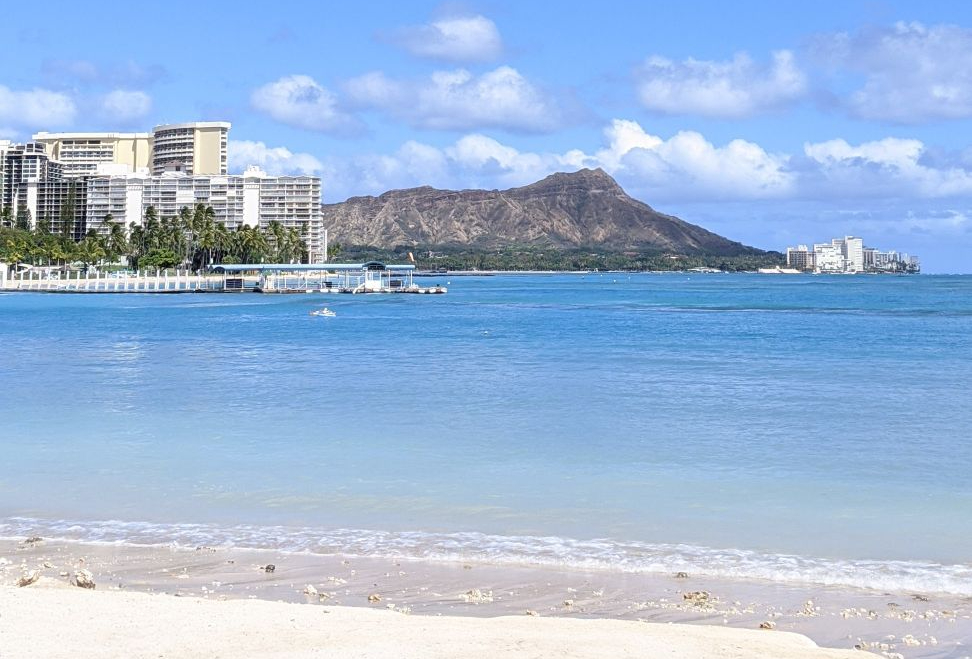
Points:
545	551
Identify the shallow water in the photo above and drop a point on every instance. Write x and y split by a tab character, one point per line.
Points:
794	428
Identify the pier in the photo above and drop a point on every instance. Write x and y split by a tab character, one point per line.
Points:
274	278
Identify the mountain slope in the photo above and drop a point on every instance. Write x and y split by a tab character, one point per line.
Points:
582	209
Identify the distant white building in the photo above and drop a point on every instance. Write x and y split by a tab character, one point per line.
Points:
848	255
253	199
829	257
853	252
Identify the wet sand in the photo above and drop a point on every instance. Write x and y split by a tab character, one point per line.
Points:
909	625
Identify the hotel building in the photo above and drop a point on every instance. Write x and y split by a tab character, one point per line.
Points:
848	255
250	199
175	166
80	154
194	148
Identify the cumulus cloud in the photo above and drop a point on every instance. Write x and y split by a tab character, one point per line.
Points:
36	108
456	39
685	166
276	161
300	101
906	73
126	106
736	88
891	167
460	100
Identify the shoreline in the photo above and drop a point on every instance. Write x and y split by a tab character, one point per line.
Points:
912	626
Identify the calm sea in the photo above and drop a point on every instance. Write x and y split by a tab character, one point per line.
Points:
781	427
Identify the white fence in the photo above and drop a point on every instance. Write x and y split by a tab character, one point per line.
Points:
181	281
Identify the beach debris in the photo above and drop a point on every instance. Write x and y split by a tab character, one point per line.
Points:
270	567
374	598
476	596
768	624
681	575
568	603
698	597
28	579
920	598
33	540
84	579
310	590
531	612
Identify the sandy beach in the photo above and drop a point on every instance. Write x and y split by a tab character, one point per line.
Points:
209	601
106	624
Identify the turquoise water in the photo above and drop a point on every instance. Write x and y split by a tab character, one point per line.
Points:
790	428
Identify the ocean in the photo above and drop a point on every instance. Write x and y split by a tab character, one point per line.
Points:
787	428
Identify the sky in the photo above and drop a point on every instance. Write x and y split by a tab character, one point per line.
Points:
770	123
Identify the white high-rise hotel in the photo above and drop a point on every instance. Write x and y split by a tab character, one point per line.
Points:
847	255
174	166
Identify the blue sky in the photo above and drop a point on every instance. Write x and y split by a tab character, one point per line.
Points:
769	123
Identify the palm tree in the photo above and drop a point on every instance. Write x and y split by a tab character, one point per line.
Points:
115	241
136	242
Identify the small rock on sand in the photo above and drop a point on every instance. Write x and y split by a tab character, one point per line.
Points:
698	597
84	579
29	578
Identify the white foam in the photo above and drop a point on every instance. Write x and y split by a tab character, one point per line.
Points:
566	553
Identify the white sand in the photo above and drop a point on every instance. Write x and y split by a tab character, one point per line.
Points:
51	619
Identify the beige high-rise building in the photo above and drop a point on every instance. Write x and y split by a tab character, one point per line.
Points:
192	148
81	154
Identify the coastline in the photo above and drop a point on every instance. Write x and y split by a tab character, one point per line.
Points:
912	626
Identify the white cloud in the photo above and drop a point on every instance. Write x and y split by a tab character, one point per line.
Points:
891	167
126	106
457	39
300	101
912	73
736	88
686	166
37	108
459	100
274	160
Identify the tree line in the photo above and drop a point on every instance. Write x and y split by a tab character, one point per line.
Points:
193	239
